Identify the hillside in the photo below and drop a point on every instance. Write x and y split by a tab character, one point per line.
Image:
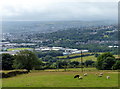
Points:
93	36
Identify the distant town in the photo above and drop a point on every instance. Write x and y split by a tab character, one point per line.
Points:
7	45
68	37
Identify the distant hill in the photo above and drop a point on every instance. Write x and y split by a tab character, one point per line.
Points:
47	26
91	35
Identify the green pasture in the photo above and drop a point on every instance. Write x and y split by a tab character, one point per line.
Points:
72	55
73	70
93	58
18	49
7	71
62	79
88	69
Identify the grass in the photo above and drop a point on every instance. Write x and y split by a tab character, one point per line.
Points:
116	56
106	36
62	79
7	71
93	58
72	55
72	69
78	58
18	49
89	69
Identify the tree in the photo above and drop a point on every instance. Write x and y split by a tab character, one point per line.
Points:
108	63
89	62
116	65
74	63
25	60
96	55
7	61
40	65
105	61
47	58
63	64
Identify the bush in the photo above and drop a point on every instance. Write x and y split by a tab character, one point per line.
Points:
105	61
13	73
25	60
7	61
116	65
89	63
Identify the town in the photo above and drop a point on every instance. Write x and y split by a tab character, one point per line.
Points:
70	40
14	46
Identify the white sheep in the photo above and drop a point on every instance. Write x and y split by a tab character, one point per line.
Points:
80	77
99	75
108	77
85	74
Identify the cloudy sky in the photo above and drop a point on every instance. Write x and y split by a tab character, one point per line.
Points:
52	10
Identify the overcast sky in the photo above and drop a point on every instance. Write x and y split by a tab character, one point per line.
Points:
51	10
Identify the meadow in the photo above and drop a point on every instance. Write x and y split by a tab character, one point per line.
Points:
93	58
62	78
55	78
90	57
12	49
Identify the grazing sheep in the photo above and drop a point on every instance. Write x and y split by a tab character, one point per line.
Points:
76	76
108	77
85	74
80	77
99	75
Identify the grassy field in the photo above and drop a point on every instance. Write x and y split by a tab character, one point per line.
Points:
93	58
18	49
73	69
55	78
62	79
72	55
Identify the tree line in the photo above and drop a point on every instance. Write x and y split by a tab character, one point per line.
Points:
30	60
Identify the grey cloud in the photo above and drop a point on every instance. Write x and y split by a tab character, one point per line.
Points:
69	11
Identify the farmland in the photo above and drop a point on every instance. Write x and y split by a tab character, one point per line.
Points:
12	49
90	57
54	78
93	58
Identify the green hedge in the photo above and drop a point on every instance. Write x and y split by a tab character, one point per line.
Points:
13	73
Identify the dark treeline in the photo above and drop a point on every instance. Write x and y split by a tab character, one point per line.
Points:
29	60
